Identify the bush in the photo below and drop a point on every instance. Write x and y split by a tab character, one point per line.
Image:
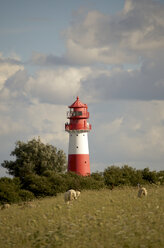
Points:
78	182
9	190
58	182
98	176
72	181
40	186
26	195
89	183
125	175
160	177
149	176
113	176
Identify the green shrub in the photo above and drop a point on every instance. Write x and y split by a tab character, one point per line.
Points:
78	182
160	177
58	182
26	195
125	175
88	182
9	190
113	176
72	181
40	186
149	176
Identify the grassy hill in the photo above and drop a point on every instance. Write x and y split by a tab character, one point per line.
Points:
106	218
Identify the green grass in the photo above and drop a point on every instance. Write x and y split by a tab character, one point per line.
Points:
98	219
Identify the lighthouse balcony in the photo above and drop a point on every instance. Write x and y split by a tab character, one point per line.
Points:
70	127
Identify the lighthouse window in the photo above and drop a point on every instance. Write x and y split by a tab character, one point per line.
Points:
85	162
76	134
76	146
77	113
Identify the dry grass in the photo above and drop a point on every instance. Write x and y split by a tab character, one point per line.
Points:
105	218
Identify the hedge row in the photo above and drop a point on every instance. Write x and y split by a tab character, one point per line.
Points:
51	183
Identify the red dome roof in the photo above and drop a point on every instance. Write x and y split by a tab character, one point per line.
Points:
78	104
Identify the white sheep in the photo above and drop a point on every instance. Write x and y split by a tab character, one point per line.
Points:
71	195
142	191
77	193
5	206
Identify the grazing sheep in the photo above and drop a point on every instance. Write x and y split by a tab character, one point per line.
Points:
5	206
142	191
77	193
70	195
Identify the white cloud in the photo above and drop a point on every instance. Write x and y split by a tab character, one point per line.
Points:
135	32
133	134
7	68
145	83
129	36
56	86
47	121
8	126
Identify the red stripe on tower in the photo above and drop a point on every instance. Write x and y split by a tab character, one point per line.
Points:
78	128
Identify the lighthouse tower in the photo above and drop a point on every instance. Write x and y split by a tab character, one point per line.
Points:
78	128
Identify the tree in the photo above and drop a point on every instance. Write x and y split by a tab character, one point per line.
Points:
34	157
113	176
150	176
124	175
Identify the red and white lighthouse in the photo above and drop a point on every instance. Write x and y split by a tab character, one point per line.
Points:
78	128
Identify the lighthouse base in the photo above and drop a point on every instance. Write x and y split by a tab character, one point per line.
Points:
79	163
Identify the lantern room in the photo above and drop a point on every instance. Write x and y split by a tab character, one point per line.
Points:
78	115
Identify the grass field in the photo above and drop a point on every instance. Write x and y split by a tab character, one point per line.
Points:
98	219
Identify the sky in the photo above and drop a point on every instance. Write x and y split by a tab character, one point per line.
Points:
109	53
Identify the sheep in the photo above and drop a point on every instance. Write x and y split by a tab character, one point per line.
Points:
71	195
77	193
142	191
5	206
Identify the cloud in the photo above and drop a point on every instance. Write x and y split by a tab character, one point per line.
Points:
145	83
135	32
56	86
21	121
59	85
134	35
24	116
128	132
8	67
49	60
131	36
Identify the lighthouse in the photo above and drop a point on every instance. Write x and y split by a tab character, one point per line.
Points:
78	128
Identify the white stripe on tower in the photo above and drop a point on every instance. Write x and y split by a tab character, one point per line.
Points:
78	143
